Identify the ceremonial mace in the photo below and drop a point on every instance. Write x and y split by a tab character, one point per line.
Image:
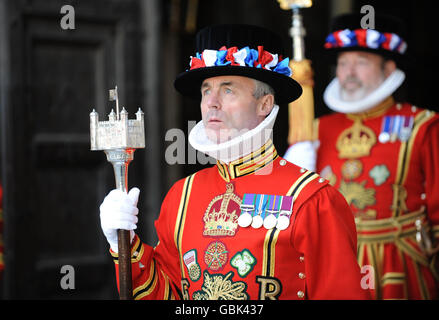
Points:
301	111
119	137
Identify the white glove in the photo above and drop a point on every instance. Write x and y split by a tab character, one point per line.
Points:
303	154
119	211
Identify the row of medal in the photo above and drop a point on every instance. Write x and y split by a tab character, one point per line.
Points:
396	128
270	211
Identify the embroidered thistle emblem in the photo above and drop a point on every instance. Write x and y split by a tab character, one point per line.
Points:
193	268
329	175
221	287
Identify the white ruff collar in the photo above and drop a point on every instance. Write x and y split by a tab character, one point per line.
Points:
237	147
335	103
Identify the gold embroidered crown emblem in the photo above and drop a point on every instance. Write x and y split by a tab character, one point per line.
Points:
355	141
221	217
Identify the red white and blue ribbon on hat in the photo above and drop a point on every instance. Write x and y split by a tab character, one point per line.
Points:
366	38
246	57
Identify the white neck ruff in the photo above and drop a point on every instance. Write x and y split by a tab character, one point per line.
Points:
332	98
237	147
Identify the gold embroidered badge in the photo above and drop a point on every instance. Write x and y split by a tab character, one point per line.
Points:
355	141
221	287
357	194
221	216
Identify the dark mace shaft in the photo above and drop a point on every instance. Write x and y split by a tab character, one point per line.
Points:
120	159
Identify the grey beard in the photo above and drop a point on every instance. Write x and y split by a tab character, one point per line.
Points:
353	96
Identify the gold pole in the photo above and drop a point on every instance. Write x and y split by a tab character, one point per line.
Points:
300	111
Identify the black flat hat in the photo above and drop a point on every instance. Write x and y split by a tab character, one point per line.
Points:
386	39
241	50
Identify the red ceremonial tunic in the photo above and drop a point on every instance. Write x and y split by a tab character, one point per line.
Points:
392	185
204	254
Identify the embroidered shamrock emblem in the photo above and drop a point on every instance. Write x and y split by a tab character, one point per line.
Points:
244	262
379	174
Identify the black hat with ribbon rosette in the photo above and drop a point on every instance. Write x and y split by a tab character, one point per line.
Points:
386	39
240	50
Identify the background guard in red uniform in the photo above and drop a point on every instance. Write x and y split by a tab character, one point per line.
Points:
382	155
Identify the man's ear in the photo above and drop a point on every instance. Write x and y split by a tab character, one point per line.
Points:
265	105
389	67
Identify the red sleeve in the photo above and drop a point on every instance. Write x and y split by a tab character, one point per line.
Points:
156	271
326	235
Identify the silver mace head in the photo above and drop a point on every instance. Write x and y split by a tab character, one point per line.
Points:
118	137
297	30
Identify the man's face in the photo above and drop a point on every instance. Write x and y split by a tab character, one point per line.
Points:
359	73
228	107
